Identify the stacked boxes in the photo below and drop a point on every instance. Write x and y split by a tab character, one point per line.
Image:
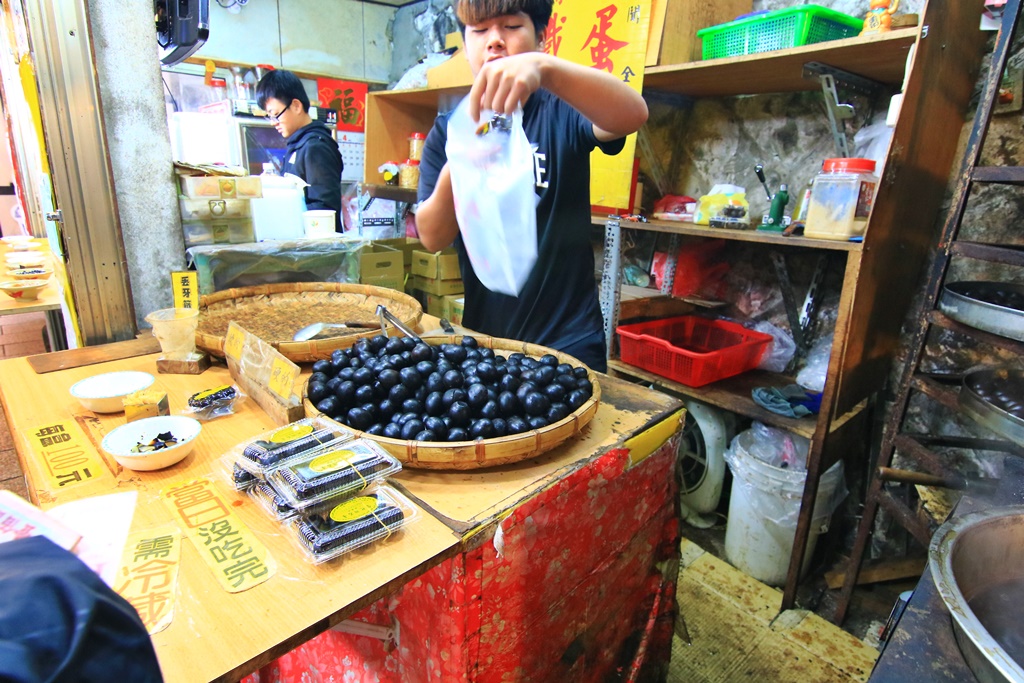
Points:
217	209
381	266
435	279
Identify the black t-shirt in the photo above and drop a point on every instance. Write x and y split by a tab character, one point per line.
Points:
558	305
313	155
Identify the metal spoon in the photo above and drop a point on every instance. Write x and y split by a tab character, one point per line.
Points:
310	331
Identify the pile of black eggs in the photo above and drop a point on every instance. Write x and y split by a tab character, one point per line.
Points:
403	389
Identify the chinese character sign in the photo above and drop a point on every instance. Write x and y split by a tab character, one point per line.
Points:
610	36
148	576
185	286
348	98
66	455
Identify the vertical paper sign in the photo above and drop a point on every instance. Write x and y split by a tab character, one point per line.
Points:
148	577
186	288
67	457
227	546
610	35
348	98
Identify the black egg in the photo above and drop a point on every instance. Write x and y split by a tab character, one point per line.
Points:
500	426
393	431
425	435
363	376
458	434
405	417
517	425
524	389
481	429
549	360
556	392
489	410
568	381
433	404
365	394
486	353
508	403
443	365
580	372
378	342
388	377
453	379
357	418
422	352
486	371
508	383
386	409
399	393
459	413
425	367
469	342
346	373
557	412
411	378
452	395
537	422
435	382
332	384
412	405
394	345
339	363
376	429
564	368
355	362
516	357
346	392
316	391
437	425
536	403
529	363
544	375
576	398
411	428
453	353
323	366
476	396
321	377
585	385
328	405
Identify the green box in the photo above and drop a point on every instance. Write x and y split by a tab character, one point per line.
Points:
444	265
438	287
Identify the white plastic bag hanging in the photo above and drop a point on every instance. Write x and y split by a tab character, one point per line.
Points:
495	203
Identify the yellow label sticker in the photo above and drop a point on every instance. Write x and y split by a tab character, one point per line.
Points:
354	509
290	433
209	392
282	377
226	544
234	342
185	286
329	462
67	456
148	577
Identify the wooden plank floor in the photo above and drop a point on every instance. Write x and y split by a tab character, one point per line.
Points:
737	634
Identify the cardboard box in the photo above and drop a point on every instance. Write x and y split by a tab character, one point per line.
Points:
407	245
381	266
438	287
454	304
435	305
444	265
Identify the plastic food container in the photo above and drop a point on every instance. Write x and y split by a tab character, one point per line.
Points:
416	142
262	455
841	199
355	522
409	174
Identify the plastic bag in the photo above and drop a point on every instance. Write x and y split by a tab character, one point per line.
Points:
495	202
725	206
780	353
872	142
214	402
812	377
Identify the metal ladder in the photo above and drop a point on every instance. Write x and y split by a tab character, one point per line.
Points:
920	448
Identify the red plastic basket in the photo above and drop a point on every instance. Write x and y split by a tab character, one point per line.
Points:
691	350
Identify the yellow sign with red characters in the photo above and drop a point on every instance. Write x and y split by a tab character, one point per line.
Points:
610	36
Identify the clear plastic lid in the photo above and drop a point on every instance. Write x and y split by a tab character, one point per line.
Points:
270	500
373	516
259	456
344	468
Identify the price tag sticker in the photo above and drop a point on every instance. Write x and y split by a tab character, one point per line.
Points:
282	377
234	343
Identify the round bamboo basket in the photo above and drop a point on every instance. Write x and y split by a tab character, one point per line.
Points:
471	455
291	306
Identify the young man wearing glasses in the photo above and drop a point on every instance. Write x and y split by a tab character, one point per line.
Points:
312	153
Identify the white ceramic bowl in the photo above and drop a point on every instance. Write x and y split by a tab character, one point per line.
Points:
24	259
16	239
25	246
120	442
103	393
23	290
31	273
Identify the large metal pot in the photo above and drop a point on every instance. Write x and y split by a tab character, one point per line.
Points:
977	562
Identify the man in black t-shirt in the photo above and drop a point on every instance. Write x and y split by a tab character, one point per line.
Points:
567	111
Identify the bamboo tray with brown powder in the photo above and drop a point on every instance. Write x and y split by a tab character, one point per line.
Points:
274	313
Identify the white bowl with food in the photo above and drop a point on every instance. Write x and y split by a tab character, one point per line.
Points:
16	239
27	245
23	290
31	273
104	393
25	259
152	443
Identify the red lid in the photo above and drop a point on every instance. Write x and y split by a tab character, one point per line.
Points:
410	162
266	67
218	83
849	165
417	136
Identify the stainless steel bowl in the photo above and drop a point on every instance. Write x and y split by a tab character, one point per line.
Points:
977	562
975	304
984	395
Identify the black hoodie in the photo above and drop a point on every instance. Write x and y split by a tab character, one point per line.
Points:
313	156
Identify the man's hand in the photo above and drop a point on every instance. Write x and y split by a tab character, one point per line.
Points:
506	83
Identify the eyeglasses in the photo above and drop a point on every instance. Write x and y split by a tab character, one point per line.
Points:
274	118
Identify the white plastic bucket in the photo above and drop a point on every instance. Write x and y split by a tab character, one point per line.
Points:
763	511
319	223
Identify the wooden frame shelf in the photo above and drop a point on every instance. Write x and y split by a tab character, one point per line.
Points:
761	237
880	57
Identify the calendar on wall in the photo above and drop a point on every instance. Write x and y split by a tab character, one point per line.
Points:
353	152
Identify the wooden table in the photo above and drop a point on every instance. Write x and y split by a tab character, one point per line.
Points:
49	300
217	635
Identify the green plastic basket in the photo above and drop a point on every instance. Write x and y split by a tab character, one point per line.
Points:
778	30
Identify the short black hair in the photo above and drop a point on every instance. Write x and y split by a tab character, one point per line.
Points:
475	11
283	86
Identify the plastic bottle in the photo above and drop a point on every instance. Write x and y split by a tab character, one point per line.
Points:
416	142
841	201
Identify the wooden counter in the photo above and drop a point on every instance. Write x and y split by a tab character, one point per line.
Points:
217	635
49	298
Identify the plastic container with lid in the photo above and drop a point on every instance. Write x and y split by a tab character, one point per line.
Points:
409	174
416	142
841	199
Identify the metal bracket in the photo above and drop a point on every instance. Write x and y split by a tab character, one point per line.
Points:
837	111
611	280
801	322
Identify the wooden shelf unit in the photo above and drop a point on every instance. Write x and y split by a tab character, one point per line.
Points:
881	274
